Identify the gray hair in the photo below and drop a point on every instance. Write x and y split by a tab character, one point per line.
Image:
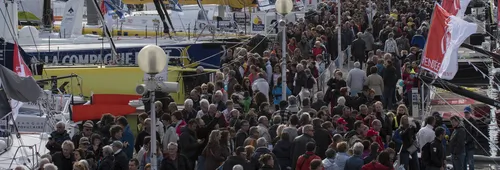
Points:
341	100
173	144
262	118
358	148
218	92
204	102
306	128
319	96
188	102
237	167
68	143
212	106
357	64
84	162
61	123
48	156
107	150
292	100
261	142
43	162
117	144
49	167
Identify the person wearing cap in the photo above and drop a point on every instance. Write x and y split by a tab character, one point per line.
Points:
439	123
469	138
341	127
57	137
372	136
376	127
86	132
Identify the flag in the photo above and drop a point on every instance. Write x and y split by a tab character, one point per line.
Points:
22	70
109	11
455	7
446	34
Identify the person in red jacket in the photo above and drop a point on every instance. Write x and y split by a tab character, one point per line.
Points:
373	136
304	161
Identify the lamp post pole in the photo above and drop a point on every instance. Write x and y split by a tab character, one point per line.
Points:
283	65
153	126
283	7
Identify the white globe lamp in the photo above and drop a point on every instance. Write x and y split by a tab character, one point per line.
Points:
152	59
284	7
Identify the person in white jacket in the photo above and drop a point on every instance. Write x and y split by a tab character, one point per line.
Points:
169	133
355	79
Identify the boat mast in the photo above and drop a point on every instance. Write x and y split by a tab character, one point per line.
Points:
107	32
47	15
162	13
493	127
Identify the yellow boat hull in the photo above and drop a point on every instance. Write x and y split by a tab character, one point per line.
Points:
114	80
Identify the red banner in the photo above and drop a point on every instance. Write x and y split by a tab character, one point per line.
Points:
438	40
452	6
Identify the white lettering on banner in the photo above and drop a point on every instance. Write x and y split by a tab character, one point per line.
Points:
126	57
434	64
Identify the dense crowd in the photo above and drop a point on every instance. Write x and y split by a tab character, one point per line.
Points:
240	121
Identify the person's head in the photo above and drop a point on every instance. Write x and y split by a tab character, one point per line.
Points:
404	121
316	164
373	70
374	146
60	127
79	166
358	126
188	104
455	121
43	161
147	124
133	164
116	132
192	125
212	109
402	110
79	154
440	133
107	151
363	109
148	166
294	120
87	129
261	142
241	152
266	159
342	147
204	105
430	120
346	112
254	132
238	167
341	101
49	166
357	64
467	112
311	147
377	125
308	129
330	153
263	120
358	148
384	158
172	148
67	148
117	145
214	137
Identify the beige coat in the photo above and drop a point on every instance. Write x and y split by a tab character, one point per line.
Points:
375	82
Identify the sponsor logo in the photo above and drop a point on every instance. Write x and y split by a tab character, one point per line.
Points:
126	56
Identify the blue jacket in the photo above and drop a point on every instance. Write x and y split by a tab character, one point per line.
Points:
396	137
418	40
127	136
277	93
447	133
354	163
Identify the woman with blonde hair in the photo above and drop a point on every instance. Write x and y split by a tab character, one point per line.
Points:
79	165
213	151
401	111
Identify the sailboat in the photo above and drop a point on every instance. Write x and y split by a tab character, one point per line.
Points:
70	47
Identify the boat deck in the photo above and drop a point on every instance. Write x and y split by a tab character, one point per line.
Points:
27	156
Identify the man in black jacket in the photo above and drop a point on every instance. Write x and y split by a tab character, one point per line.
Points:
470	145
433	153
190	143
238	159
358	49
457	143
174	160
299	143
322	137
121	159
242	134
145	132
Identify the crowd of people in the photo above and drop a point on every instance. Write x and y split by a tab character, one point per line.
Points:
243	121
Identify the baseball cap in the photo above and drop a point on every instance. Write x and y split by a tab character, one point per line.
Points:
371	133
467	109
341	121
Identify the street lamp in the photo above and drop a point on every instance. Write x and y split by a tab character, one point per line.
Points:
283	7
152	60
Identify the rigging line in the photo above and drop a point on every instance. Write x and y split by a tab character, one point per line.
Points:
10	20
32	37
448	89
456	113
5	19
475	140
